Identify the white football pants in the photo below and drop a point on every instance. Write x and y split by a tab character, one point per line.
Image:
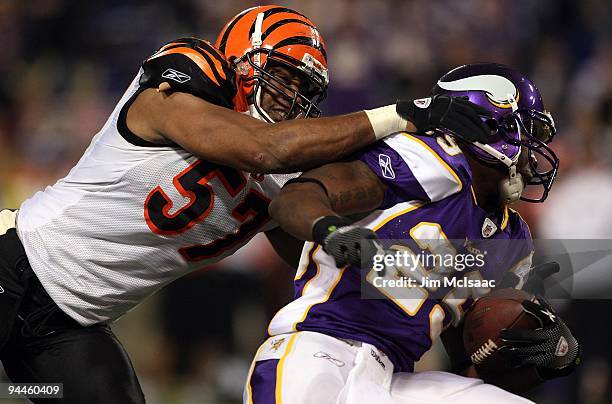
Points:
313	368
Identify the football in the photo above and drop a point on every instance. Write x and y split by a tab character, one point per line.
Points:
484	321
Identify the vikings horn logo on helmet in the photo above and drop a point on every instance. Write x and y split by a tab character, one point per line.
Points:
499	90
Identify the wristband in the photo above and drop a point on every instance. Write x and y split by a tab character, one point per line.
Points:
325	225
385	121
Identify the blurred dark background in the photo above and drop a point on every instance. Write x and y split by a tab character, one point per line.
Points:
64	64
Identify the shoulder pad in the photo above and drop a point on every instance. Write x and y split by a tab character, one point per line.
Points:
192	66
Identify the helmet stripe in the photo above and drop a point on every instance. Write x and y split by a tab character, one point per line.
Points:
302	40
230	27
277	10
273	11
280	23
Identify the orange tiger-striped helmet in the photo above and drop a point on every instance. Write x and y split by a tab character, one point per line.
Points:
260	38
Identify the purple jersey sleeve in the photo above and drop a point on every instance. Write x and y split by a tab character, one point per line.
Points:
388	165
416	168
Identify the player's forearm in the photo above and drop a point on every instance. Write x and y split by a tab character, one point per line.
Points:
289	146
298	206
223	136
303	144
251	145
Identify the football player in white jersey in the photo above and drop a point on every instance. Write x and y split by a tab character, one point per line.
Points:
176	179
433	195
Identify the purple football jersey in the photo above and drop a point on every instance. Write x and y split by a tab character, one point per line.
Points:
429	199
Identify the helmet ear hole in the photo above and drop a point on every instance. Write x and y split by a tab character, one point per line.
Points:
493	125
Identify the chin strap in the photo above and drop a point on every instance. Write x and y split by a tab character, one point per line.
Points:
511	187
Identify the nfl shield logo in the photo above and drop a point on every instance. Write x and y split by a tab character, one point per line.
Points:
562	347
488	228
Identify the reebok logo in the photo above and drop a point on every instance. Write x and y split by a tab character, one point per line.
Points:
385	166
175	75
1	289
325	355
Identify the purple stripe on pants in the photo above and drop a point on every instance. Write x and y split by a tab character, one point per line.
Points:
263	382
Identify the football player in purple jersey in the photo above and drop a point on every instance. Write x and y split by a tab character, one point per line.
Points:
433	190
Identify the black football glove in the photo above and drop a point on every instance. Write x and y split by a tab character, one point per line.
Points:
551	348
347	244
450	114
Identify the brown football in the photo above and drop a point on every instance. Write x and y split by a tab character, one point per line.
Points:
484	321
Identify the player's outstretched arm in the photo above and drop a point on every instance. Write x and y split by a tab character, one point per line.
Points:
237	140
226	137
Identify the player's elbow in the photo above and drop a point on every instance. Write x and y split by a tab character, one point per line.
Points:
266	157
265	161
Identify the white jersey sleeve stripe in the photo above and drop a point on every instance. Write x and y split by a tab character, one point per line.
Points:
436	177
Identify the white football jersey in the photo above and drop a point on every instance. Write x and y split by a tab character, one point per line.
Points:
129	219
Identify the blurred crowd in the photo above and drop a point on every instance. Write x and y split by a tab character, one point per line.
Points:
65	63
